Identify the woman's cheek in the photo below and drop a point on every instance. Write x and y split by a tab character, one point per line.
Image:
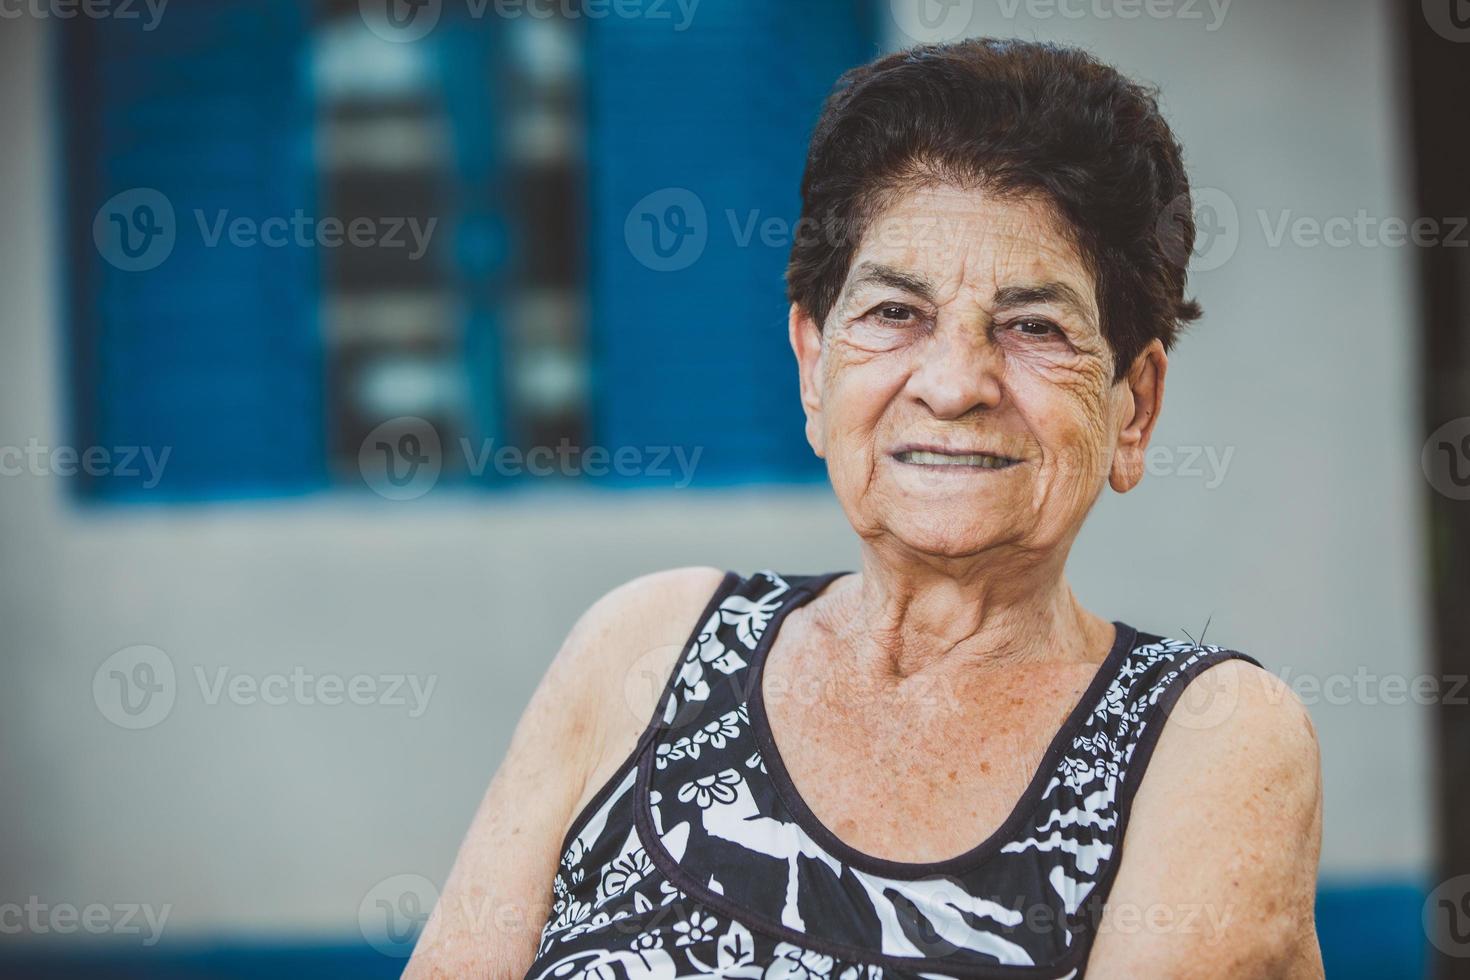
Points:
1055	365
858	394
1072	432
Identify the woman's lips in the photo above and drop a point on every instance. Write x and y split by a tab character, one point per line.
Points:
951	458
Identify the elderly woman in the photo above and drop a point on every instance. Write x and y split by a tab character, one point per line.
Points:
941	765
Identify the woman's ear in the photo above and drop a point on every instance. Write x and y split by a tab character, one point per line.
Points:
806	344
1142	400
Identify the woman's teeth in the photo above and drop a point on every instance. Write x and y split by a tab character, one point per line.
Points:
981	460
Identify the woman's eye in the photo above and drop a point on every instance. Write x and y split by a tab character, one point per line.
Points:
894	311
1036	328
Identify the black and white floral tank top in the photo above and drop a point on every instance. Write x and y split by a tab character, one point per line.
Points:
699	859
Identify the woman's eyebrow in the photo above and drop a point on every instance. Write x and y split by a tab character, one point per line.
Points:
875	274
1057	293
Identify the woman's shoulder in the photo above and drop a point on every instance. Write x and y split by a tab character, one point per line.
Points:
1228	819
657	605
1212	684
1250	705
617	657
628	640
1231	721
1211	707
642	615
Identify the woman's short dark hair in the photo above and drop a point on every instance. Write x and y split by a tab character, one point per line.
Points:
1010	117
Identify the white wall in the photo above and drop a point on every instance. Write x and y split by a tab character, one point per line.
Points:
258	818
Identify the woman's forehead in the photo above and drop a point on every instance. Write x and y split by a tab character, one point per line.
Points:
962	238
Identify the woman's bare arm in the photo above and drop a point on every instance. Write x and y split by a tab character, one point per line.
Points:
1219	866
580	725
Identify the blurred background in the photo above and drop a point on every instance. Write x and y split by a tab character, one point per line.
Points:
350	350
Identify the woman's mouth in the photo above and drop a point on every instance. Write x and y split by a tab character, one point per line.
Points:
931	457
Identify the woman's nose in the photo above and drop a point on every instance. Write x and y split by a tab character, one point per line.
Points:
958	372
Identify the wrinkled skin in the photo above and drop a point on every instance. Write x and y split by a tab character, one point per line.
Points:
943	335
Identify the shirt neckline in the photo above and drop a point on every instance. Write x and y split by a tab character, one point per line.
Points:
1023	810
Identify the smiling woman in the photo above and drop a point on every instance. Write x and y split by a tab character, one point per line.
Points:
941	765
994	321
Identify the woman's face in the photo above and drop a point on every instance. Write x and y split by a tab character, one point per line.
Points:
961	390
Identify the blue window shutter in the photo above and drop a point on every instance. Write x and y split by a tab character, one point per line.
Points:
212	353
689	348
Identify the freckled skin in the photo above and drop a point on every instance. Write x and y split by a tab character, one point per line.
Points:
962	583
914	777
928	344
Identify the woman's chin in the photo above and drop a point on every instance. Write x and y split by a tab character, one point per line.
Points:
961	536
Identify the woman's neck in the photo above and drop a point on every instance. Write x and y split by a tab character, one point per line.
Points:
900	618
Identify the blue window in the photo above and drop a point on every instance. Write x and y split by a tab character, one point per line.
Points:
610	198
178	344
697	140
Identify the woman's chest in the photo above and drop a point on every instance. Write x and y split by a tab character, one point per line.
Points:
919	772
